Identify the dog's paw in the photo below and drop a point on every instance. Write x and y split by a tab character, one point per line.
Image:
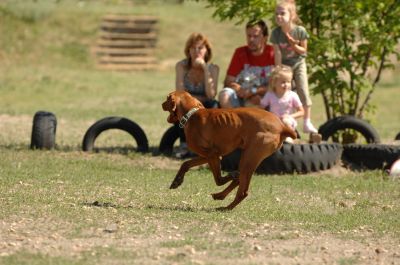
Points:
218	196
176	183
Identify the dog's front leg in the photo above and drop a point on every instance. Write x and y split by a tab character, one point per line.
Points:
178	180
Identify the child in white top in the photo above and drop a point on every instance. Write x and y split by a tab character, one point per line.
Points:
280	99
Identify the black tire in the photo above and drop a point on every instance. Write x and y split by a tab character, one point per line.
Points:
397	136
44	130
334	125
115	123
300	158
168	140
371	156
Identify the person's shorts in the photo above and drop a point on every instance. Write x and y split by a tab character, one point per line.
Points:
233	97
210	104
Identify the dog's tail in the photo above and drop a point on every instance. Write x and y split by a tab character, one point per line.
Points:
288	132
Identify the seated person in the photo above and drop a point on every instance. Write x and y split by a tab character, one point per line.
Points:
197	76
247	76
282	101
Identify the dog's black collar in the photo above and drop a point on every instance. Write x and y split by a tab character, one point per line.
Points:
186	117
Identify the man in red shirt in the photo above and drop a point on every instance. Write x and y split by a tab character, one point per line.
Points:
246	80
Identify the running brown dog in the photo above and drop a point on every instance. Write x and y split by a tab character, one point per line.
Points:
212	133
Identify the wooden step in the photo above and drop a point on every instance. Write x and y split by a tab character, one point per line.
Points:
127	59
126	43
127	25
128	36
126	67
129	18
120	51
128	30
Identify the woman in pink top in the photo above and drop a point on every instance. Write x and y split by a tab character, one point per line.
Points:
280	99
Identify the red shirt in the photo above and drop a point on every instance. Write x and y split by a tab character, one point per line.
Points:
243	56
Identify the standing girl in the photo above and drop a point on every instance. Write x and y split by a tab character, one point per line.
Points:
290	48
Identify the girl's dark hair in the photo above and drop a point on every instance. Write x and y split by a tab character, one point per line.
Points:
261	23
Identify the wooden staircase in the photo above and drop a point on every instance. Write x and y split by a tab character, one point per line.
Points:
127	43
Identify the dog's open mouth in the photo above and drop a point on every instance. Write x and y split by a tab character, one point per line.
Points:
167	106
172	118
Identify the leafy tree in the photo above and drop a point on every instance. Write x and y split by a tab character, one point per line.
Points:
351	43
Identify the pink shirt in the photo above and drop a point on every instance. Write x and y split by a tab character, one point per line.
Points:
287	104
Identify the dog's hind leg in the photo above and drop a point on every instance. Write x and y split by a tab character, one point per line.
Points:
249	161
221	195
215	166
178	180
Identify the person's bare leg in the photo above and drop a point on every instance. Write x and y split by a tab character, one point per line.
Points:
224	101
308	127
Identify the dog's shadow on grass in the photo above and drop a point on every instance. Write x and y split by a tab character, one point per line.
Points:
183	208
180	208
106	205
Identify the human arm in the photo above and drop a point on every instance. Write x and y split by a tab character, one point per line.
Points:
299	46
235	68
211	73
230	81
277	55
297	107
265	101
298	113
256	94
179	73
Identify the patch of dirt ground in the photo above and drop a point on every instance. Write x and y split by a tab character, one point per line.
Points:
50	237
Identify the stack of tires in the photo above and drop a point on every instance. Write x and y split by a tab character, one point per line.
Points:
301	158
305	158
371	154
291	158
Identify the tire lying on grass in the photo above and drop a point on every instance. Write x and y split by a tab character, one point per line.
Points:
120	123
300	158
168	140
43	130
329	128
371	156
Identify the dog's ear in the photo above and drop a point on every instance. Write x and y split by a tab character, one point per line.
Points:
173	101
169	104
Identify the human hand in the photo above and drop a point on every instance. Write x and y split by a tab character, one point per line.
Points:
255	100
292	40
200	62
242	92
287	120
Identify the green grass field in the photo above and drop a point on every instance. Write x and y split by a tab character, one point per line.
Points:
66	206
